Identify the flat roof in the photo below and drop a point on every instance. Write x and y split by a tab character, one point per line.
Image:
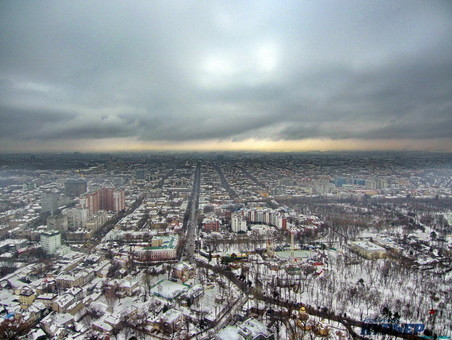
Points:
168	242
168	289
301	254
367	245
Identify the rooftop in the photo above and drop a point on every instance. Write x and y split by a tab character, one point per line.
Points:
168	289
167	242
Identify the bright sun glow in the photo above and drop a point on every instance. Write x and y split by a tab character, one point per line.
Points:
220	67
267	57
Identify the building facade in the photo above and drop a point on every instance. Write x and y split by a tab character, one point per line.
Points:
49	201
104	199
75	187
238	223
163	248
211	224
76	218
368	250
50	241
97	221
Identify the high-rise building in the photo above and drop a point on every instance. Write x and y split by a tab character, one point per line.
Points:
324	187
90	202
381	183
119	200
140	174
57	222
104	199
50	241
238	223
76	218
97	221
370	184
49	201
75	187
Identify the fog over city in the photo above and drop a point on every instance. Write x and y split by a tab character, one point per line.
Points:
225	75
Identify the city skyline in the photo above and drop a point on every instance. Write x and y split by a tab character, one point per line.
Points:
216	76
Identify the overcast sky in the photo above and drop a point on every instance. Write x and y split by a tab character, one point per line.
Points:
226	75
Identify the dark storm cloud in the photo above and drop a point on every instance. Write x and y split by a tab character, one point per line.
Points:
31	122
194	70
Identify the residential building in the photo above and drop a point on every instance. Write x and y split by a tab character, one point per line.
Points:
49	201
104	199
211	224
381	183
57	222
97	220
50	241
370	184
76	218
368	250
75	187
183	271
162	248
238	223
26	298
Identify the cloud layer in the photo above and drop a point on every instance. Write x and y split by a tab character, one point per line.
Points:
188	71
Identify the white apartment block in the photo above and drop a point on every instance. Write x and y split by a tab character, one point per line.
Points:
238	223
50	241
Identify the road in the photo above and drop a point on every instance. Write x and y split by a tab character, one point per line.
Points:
226	318
225	183
190	236
251	177
294	306
110	224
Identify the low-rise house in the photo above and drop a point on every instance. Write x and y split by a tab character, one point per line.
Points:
183	271
74	280
163	248
26	298
211	223
47	299
102	326
56	324
368	250
113	320
126	286
62	302
70	302
35	311
171	321
251	329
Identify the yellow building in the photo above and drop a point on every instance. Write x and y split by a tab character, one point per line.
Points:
26	298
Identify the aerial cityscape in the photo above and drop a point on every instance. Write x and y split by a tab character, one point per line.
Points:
225	170
226	246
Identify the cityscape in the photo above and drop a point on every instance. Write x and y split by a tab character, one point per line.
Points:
225	170
226	246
